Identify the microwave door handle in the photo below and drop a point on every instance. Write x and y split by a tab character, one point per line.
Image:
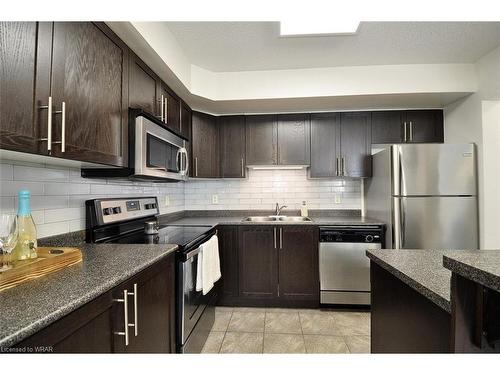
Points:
178	162
185	153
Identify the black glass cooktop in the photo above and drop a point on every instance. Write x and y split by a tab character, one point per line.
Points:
179	235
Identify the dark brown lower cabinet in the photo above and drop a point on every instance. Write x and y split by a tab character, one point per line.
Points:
298	263
94	327
266	265
258	262
228	252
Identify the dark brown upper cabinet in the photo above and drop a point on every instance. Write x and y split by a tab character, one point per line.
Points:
90	91
144	87
170	111
425	126
185	120
205	146
294	139
325	144
261	140
232	146
81	69
412	126
298	263
22	45
258	262
355	144
387	126
340	144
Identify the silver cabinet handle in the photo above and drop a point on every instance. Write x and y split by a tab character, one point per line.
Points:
405	136
196	167
165	111
411	131
124	300
242	169
337	169
162	109
48	107
281	238
275	246
136	322
343	166
62	112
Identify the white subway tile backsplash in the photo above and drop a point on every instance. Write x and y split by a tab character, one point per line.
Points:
25	173
59	194
6	172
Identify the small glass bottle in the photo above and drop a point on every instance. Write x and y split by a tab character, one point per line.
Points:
26	242
303	210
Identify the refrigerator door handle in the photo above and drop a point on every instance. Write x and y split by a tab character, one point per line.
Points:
399	223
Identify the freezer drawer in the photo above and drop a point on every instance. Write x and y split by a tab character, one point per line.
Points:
435	223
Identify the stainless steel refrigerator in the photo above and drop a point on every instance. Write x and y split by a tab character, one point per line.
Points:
426	194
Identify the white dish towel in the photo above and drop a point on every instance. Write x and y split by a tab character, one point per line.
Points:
208	267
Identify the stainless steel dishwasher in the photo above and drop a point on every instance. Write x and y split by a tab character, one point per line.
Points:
344	268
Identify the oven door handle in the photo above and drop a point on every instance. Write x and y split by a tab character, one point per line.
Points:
192	253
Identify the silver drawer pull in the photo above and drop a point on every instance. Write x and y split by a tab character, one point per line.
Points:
48	107
136	322
62	112
242	168
125	316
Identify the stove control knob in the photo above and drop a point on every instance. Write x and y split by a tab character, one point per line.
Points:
117	210
369	238
107	211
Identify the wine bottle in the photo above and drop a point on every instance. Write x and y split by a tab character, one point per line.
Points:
26	242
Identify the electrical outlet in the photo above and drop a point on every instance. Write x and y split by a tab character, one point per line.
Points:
167	200
215	199
338	199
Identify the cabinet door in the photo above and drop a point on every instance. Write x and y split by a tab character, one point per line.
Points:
232	145
185	120
257	257
155	310
86	330
172	108
298	263
325	144
24	70
425	126
144	87
89	74
228	250
294	139
355	144
261	140
205	143
387	127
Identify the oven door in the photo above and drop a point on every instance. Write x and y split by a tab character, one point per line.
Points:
159	153
193	303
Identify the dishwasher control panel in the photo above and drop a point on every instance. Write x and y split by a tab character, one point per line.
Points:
351	234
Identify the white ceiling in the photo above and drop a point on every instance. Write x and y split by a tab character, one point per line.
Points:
242	46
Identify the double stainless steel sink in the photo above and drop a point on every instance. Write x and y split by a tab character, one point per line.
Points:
278	218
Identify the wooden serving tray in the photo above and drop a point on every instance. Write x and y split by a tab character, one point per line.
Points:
50	259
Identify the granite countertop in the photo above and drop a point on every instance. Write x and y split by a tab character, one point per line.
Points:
237	220
31	306
420	269
481	266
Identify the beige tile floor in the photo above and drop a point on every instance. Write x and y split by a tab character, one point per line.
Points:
274	330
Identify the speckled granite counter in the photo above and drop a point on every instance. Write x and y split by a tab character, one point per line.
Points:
422	270
237	220
482	267
29	307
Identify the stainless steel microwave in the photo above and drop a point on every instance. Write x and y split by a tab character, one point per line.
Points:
155	153
158	152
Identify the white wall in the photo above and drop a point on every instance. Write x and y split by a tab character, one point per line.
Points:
262	189
476	119
58	194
